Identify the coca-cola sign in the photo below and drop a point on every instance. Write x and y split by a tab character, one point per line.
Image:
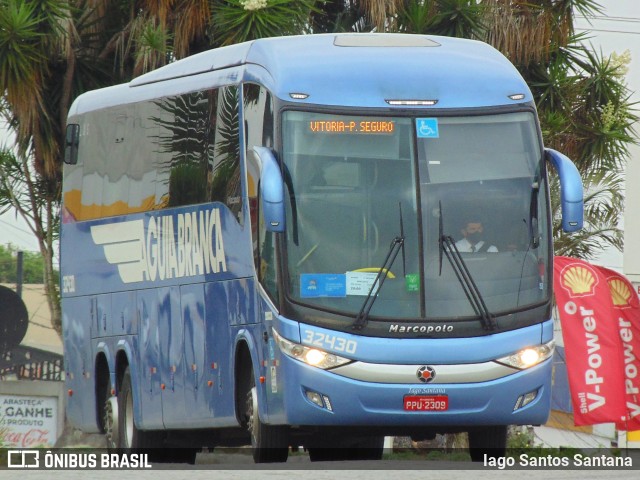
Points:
28	421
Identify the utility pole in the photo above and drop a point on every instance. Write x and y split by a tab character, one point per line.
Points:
19	273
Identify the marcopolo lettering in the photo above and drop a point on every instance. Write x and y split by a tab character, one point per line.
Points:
396	328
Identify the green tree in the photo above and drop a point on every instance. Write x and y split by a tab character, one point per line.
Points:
32	266
53	50
49	52
28	194
236	21
584	107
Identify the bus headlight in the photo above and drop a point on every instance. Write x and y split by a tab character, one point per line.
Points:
530	356
311	356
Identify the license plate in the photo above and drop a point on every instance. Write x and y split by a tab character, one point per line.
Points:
426	403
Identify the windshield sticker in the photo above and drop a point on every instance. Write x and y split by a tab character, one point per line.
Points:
360	283
313	285
412	282
427	128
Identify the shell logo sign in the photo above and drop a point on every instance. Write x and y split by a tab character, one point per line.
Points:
621	294
600	316
592	342
579	280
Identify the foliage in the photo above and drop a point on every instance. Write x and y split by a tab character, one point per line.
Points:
33	266
452	18
521	440
237	21
30	196
586	113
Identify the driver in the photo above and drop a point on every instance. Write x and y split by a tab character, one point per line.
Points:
473	238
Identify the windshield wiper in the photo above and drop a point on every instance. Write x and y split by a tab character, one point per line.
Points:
397	244
534	231
447	246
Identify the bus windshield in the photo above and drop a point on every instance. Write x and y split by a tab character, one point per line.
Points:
356	183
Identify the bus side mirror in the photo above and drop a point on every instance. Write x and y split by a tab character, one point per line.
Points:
571	198
71	142
271	190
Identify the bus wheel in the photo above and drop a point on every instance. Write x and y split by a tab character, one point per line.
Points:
269	443
129	436
490	440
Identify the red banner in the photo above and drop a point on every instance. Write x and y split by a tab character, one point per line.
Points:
593	347
626	309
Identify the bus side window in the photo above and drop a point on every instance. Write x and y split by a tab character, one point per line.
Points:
198	154
259	131
181	143
224	179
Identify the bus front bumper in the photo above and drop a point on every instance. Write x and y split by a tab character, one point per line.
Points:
315	397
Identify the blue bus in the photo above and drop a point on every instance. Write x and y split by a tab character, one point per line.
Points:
264	243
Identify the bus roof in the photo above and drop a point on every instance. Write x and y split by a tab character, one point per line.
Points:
360	70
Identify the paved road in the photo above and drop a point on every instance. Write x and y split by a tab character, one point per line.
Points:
369	473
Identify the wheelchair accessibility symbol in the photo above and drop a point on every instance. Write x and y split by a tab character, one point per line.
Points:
427	127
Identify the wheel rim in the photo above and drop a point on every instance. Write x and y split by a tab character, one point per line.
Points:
111	422
252	415
128	420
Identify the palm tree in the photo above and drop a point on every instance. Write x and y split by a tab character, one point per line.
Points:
236	21
33	43
585	112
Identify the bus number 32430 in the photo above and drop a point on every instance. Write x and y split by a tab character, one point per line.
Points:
329	342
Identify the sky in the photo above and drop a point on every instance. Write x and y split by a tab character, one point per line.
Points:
616	29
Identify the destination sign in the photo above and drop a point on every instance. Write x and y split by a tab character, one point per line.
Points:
356	126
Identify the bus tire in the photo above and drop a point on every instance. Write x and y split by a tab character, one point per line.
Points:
129	437
269	443
489	440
